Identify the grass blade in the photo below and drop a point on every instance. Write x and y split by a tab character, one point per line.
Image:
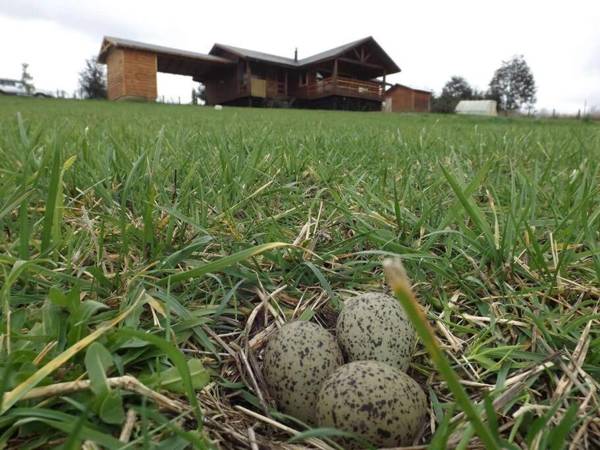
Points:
398	281
51	201
472	210
17	269
220	264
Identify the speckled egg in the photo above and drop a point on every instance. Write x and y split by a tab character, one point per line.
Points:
374	401
298	358
375	327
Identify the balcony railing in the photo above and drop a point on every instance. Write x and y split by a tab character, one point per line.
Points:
341	86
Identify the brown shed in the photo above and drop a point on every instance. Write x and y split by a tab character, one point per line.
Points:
400	98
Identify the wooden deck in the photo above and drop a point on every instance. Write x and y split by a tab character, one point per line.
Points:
327	87
346	87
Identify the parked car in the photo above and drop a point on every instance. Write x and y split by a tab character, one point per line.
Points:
16	87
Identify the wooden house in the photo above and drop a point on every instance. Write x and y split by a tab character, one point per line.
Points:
351	76
400	98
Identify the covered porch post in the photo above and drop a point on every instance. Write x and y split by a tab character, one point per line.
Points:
335	74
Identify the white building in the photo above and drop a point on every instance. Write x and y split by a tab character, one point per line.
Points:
477	107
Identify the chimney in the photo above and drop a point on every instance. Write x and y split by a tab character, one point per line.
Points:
296	54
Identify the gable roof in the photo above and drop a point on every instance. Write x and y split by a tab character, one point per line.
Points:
323	56
338	51
398	85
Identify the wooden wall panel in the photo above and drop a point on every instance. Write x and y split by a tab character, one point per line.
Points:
131	75
422	101
402	99
211	92
140	75
225	87
115	74
405	99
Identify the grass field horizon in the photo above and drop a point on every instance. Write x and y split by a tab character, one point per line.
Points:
162	244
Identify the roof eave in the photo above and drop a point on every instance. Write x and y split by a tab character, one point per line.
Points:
400	85
111	42
104	48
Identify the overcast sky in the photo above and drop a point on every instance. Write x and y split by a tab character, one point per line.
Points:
429	40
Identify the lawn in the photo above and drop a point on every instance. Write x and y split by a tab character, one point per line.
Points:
161	244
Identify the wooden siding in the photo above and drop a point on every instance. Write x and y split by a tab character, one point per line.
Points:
422	101
115	76
405	99
131	75
224	87
140	68
402	99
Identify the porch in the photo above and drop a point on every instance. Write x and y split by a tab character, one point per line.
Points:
341	86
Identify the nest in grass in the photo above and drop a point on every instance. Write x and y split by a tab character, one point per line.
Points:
231	420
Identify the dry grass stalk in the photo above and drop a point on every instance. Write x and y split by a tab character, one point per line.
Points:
125	382
127	429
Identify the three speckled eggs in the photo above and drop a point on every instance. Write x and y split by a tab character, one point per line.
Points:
369	396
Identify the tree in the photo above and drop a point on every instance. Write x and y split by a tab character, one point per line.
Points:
199	95
27	79
513	86
455	90
92	79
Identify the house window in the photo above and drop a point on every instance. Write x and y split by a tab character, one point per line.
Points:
302	79
319	76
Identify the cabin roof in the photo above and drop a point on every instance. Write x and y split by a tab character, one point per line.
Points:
253	54
167	52
390	65
337	51
111	41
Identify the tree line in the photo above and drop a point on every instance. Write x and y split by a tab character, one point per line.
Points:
512	87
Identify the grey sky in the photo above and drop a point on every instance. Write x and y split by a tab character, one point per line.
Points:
430	40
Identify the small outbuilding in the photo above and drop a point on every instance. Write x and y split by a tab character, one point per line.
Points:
401	98
477	107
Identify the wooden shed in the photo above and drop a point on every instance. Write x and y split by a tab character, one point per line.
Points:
401	98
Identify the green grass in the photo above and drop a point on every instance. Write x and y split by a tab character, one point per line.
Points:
118	219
